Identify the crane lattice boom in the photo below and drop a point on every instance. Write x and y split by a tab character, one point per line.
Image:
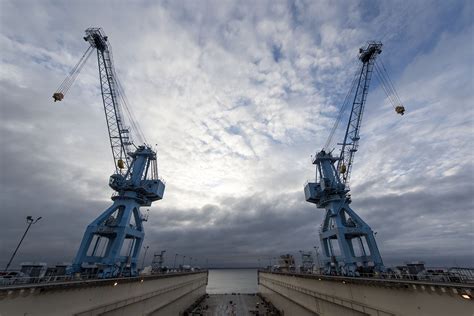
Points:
118	133
351	138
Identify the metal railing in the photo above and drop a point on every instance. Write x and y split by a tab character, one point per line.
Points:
10	280
438	277
15	280
452	275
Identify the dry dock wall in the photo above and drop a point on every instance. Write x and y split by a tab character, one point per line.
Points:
168	294
295	294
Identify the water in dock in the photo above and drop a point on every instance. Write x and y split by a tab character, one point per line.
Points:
227	281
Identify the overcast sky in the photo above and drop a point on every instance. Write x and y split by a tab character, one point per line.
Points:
237	96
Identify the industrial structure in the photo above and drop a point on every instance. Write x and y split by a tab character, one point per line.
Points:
107	259
157	263
112	242
348	243
307	264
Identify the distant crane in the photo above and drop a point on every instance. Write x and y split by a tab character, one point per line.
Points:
348	243
112	242
306	261
157	263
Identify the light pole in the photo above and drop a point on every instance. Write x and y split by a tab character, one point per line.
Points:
144	256
174	263
30	220
183	260
190	261
301	255
316	248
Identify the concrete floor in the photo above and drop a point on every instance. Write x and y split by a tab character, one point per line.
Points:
233	305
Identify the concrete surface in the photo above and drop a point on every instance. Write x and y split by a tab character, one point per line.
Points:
168	294
295	294
233	305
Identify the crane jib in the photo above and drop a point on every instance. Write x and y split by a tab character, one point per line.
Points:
351	137
118	134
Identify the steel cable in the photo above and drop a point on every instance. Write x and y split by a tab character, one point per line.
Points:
341	111
69	80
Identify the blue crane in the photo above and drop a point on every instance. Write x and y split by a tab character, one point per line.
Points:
348	243
112	242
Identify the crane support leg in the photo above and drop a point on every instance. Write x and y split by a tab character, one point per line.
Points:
112	242
349	246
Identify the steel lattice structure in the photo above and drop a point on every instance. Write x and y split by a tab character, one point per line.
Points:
118	134
348	243
351	138
112	242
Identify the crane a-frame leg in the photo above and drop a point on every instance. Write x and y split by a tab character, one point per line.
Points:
112	242
349	246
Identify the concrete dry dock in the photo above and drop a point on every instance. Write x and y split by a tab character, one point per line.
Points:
233	305
291	294
297	294
167	294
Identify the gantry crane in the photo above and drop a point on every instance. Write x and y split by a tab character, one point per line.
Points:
348	243
112	242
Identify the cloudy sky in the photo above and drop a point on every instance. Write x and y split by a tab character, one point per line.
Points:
237	97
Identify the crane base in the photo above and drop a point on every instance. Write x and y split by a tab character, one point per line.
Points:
112	242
